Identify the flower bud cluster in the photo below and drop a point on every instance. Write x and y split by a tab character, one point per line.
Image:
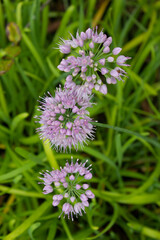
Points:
70	183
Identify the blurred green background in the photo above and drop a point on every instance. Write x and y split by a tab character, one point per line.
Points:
126	159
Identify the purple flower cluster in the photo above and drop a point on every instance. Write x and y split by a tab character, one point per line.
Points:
65	121
70	184
91	64
90	58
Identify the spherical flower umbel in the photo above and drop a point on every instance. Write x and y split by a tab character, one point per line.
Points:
64	119
69	182
91	56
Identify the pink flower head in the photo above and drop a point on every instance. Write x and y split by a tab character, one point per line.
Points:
94	54
64	119
74	197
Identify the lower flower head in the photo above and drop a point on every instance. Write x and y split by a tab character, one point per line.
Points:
74	194
64	119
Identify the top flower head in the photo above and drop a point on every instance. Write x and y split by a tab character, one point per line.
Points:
91	58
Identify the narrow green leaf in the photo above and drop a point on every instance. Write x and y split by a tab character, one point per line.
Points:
3	102
34	52
2	26
99	155
45	20
22	193
153	142
144	198
28	222
119	149
62	29
29	140
111	223
17	120
144	230
52	230
28	155
17	171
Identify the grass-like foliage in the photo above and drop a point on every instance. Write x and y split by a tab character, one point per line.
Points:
125	153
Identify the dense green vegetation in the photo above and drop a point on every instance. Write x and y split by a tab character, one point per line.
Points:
125	157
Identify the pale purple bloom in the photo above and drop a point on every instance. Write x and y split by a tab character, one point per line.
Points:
55	203
89	194
73	198
65	49
114	73
65	185
58	197
116	50
102	61
106	49
111	80
66	195
78	207
72	177
88	175
108	42
47	189
86	203
103	89
104	71
121	60
83	197
67	209
94	54
85	186
110	59
64	119
78	186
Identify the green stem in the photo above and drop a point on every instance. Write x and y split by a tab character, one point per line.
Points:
67	229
